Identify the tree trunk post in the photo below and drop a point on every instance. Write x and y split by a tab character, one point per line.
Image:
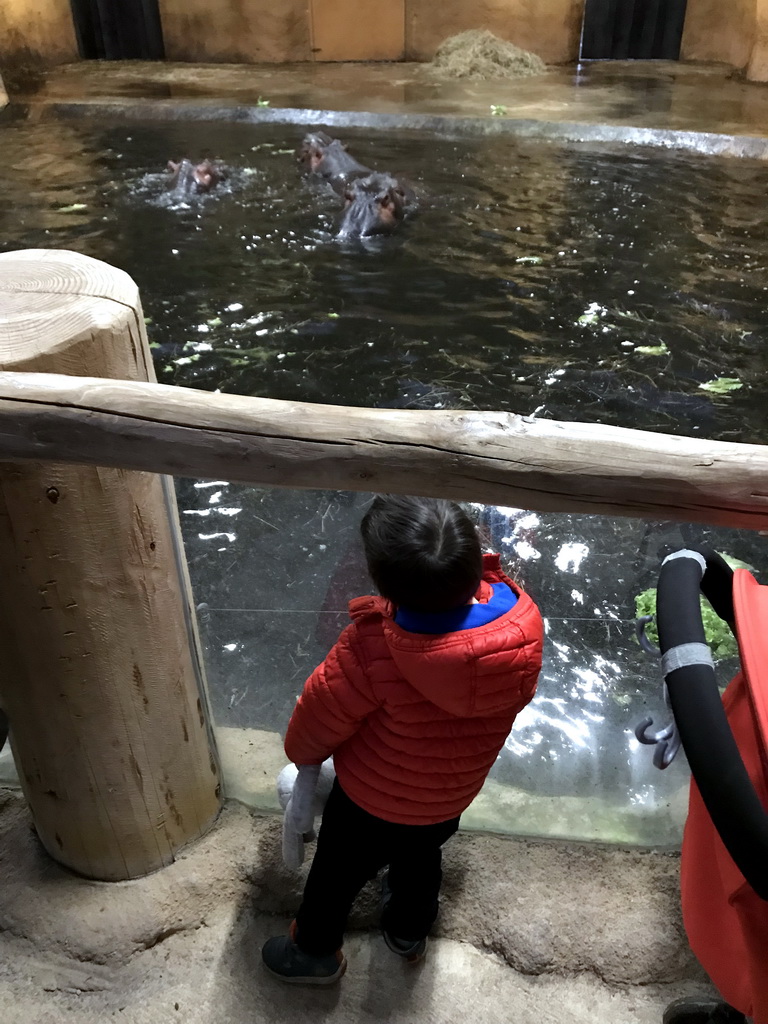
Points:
101	675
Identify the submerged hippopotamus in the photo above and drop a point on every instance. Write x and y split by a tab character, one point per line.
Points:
328	159
191	179
375	202
375	205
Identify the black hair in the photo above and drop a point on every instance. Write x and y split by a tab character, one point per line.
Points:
422	553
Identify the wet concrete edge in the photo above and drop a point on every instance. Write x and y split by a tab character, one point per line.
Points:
707	143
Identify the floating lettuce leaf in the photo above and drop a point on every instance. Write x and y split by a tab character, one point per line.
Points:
591	315
722	385
652	350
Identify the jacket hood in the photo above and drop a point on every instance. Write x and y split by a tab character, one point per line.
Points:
471	672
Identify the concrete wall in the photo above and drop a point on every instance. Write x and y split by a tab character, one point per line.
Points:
34	32
358	29
337	30
550	28
719	30
247	31
757	70
238	31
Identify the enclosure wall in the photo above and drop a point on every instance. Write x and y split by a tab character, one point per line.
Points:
715	31
34	32
252	31
550	28
757	69
236	31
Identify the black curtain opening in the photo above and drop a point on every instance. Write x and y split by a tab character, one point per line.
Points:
118	29
632	29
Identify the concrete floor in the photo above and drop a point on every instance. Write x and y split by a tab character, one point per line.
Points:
660	95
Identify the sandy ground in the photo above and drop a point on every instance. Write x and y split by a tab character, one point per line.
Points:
530	931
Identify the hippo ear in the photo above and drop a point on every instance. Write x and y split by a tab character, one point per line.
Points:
172	167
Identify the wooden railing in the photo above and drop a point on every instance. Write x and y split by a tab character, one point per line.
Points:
492	457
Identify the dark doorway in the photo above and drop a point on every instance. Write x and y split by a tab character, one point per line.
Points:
632	29
118	29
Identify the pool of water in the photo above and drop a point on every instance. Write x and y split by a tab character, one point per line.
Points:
566	282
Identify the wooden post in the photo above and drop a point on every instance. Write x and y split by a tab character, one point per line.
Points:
101	677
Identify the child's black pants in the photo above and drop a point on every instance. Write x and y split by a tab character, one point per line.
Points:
352	847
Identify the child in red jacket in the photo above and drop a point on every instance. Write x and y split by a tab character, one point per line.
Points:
414	702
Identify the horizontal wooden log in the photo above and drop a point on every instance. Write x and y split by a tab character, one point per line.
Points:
492	457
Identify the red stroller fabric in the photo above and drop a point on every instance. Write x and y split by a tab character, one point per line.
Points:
726	922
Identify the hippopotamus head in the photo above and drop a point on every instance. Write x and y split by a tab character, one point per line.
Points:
375	205
313	149
189	177
208	174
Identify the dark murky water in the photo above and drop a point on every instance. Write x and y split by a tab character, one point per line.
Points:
531	280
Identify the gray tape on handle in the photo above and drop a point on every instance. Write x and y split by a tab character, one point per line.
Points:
687	553
685	655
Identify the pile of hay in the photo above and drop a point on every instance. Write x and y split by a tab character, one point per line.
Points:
478	53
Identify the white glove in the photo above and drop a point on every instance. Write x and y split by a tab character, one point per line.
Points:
302	793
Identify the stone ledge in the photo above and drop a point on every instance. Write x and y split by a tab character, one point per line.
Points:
705	143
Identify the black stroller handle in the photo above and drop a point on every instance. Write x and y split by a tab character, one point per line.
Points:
709	744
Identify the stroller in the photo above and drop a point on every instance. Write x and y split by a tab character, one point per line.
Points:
724	862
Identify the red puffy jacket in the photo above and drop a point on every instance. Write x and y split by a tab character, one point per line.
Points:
415	721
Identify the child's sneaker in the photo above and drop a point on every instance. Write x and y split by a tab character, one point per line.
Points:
411	950
283	958
702	1011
